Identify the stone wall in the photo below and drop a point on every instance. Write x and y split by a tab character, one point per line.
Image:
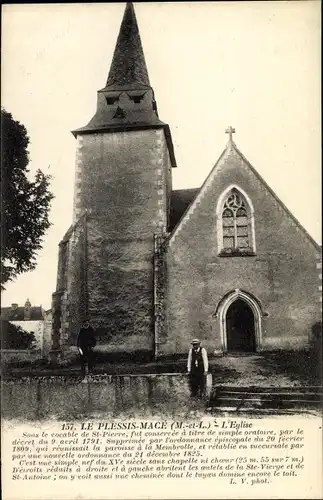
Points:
108	395
69	301
18	355
47	344
282	275
75	299
123	182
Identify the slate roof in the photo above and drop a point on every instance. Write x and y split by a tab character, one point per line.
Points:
128	73
18	314
128	66
180	201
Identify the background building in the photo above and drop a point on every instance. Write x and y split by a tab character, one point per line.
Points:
32	319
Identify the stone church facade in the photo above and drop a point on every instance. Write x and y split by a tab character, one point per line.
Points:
152	267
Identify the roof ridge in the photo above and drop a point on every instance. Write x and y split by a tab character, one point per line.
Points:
232	145
176	227
272	192
185	189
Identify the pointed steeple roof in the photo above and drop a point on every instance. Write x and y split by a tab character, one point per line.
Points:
127	102
128	67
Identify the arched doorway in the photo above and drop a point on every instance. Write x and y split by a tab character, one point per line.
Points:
240	327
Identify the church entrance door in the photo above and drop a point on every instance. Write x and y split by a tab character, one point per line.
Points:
240	327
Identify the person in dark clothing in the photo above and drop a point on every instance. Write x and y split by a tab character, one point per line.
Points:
197	368
86	342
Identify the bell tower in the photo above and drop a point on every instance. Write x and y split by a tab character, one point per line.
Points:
122	192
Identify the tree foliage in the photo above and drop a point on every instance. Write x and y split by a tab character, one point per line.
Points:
25	202
15	337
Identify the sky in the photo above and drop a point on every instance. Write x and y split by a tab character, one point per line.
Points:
252	65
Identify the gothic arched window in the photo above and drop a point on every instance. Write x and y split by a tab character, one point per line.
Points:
237	225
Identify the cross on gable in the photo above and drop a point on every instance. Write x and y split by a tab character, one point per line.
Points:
230	130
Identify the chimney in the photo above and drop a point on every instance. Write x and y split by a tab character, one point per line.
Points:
27	310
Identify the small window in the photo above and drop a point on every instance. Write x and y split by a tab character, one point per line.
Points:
111	100
136	98
119	113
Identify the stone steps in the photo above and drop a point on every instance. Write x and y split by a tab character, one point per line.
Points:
265	398
311	396
270	390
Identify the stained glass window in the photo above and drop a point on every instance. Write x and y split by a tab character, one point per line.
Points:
235	224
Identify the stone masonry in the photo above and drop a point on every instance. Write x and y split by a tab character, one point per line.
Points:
151	267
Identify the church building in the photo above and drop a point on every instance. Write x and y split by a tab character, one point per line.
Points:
151	267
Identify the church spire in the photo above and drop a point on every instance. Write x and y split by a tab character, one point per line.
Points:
128	68
127	102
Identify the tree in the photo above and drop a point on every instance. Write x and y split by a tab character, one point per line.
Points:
25	203
15	337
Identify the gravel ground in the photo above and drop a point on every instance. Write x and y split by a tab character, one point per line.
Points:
273	369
